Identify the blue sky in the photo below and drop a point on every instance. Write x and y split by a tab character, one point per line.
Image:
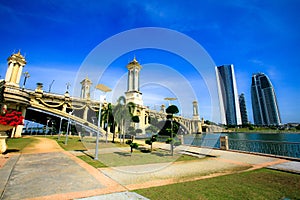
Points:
256	36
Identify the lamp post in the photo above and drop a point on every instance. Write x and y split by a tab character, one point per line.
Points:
59	131
66	141
47	123
50	86
26	75
169	99
104	89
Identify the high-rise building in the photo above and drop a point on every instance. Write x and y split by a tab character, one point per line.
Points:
243	109
264	101
228	95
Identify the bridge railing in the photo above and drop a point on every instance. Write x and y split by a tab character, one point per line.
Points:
287	149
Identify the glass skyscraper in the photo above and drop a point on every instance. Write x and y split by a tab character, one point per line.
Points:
243	108
228	95
264	101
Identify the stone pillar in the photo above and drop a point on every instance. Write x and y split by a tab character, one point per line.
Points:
195	111
3	145
9	71
143	122
16	62
182	139
19	128
18	78
64	108
85	113
163	108
18	131
85	88
224	143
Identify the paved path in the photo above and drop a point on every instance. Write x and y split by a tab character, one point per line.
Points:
45	171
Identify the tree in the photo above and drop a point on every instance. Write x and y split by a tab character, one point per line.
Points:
121	115
152	129
171	110
108	118
132	145
151	140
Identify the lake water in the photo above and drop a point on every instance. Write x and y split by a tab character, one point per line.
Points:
283	144
279	137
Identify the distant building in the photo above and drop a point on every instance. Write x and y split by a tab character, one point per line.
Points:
264	101
133	93
228	95
243	109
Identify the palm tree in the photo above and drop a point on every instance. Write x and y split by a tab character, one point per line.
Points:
121	115
131	107
108	118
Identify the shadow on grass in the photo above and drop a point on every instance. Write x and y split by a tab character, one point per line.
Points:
123	154
11	151
160	154
84	152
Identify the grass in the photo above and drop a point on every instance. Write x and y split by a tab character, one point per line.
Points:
121	158
125	158
259	184
73	143
18	144
89	160
90	143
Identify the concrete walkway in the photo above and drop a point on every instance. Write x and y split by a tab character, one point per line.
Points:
45	171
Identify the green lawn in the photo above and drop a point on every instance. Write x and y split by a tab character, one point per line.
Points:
121	158
73	143
18	144
90	160
90	143
139	158
259	184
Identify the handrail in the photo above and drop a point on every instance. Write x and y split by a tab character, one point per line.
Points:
266	141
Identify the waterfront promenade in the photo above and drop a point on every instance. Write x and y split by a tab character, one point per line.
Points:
45	171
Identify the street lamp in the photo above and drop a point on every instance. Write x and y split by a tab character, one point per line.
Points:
104	89
169	99
66	141
47	125
26	75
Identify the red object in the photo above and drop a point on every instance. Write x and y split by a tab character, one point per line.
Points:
11	118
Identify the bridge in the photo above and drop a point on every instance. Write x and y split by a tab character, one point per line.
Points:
43	107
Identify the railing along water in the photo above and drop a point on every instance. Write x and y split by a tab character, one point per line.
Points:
288	149
272	147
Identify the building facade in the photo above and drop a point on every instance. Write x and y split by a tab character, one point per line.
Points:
264	101
228	95
133	93
243	109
